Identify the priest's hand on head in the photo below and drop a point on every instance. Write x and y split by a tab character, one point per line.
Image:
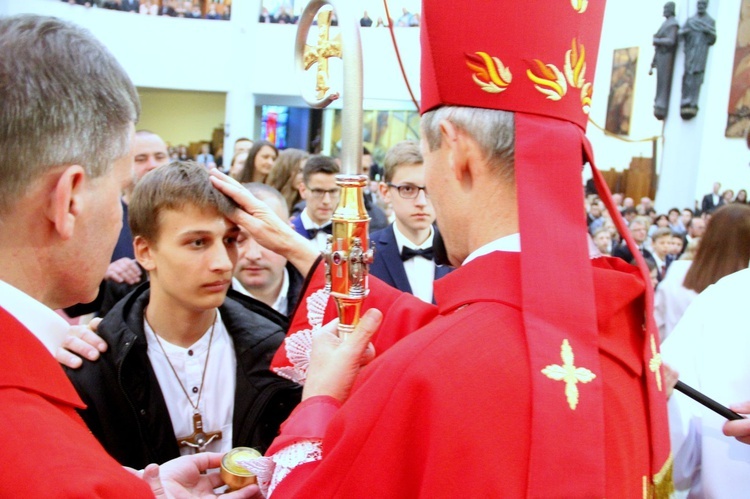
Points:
81	342
194	475
740	429
265	226
335	362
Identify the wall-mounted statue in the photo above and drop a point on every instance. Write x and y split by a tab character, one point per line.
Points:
665	46
699	33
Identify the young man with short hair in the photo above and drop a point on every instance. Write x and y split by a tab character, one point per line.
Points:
187	364
321	194
661	250
404	257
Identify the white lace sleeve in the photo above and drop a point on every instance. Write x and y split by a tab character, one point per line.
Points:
273	469
299	344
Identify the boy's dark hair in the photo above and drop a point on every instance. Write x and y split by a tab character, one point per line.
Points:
319	164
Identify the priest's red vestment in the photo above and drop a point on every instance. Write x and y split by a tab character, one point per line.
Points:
47	449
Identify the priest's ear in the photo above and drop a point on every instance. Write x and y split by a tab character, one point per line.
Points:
66	200
144	252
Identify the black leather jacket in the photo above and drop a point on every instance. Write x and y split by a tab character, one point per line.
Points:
126	411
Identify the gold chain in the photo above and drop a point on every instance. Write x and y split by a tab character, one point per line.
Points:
205	366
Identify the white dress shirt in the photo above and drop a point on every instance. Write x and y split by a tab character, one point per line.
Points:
511	243
216	404
42	321
281	304
419	270
321	237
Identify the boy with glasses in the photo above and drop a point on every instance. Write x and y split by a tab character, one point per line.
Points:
403	251
321	194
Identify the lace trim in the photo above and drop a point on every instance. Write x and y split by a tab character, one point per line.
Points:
270	471
299	344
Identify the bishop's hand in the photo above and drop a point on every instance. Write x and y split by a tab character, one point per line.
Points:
335	362
264	225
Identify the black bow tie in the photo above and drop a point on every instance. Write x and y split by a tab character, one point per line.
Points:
408	253
328	229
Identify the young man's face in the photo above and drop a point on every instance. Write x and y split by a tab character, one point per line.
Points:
192	260
322	196
415	214
677	244
662	246
259	269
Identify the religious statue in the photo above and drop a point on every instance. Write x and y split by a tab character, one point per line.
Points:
665	45
699	33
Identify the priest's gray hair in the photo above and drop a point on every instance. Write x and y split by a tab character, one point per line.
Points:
65	101
493	130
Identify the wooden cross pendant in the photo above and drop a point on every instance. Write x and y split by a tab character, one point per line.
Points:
200	439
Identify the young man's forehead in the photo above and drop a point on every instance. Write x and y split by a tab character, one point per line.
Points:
322	179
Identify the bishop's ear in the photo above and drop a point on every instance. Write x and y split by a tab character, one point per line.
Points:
457	148
67	200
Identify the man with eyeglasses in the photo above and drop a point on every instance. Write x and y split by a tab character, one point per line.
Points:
404	257
321	195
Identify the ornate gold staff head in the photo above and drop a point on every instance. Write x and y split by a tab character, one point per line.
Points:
348	254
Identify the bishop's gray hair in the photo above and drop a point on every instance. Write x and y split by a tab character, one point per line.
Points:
493	130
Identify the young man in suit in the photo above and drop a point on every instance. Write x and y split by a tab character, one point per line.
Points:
321	195
403	250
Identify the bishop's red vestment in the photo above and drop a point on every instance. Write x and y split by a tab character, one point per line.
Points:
446	412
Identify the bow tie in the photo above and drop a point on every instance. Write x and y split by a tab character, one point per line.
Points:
328	229
408	253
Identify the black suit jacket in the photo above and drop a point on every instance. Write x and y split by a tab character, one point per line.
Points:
388	266
707	205
623	252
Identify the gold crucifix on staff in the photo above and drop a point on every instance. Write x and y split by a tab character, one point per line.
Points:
324	50
349	251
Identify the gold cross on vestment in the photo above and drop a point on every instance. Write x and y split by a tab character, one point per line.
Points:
200	439
324	50
654	364
569	373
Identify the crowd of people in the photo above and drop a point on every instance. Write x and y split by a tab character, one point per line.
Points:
171	8
285	15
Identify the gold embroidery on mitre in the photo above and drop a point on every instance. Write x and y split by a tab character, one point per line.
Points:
662	485
569	373
548	80
575	64
586	92
579	6
489	72
654	364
